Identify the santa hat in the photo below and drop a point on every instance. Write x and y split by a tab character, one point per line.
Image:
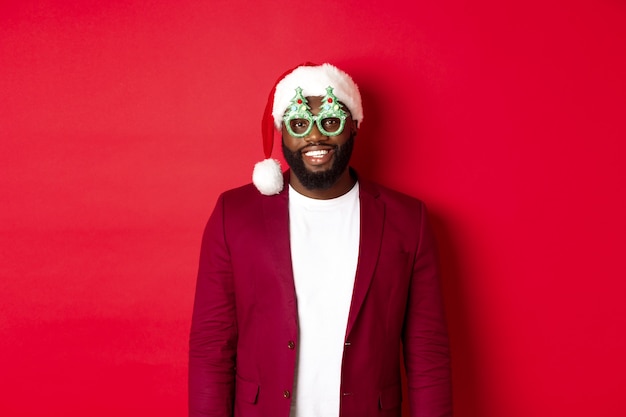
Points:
313	79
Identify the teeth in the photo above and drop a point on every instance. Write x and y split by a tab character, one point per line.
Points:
316	153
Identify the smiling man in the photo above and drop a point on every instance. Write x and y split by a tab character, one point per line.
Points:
306	294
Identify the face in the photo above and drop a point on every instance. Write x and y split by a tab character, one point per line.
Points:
318	161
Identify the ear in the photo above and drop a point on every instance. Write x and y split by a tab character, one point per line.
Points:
355	127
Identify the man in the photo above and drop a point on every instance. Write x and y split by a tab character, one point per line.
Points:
306	293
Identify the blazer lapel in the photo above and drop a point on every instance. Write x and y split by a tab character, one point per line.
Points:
276	219
372	219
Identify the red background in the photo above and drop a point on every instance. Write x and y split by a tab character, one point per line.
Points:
121	121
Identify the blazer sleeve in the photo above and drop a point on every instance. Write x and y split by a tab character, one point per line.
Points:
213	336
425	338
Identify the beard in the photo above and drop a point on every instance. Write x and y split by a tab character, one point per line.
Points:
322	180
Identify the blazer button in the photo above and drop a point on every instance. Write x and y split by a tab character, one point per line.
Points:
291	345
286	394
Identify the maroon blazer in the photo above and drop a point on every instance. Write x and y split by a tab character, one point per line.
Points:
244	332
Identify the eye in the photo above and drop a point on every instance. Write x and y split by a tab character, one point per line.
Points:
331	124
299	125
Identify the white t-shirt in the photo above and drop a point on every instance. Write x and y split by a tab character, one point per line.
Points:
324	252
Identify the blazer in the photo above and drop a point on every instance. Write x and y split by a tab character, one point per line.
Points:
244	332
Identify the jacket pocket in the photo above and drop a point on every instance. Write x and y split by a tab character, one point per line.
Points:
390	397
245	390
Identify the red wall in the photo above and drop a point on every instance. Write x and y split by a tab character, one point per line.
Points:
121	121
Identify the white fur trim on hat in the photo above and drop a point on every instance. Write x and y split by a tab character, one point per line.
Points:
268	177
313	80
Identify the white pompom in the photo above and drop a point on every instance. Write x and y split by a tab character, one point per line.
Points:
268	177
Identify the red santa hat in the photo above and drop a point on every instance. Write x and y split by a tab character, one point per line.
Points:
313	79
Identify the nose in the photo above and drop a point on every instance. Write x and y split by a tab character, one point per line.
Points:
315	136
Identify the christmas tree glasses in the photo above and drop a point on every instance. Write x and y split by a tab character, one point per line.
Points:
330	120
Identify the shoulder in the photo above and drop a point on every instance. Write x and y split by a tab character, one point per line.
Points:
404	217
246	202
391	198
244	194
248	194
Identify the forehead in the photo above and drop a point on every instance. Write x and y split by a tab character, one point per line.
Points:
315	102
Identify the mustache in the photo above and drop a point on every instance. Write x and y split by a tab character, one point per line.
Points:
312	145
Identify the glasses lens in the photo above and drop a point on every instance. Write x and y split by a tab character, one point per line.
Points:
299	126
331	124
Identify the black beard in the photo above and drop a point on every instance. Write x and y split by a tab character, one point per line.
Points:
320	180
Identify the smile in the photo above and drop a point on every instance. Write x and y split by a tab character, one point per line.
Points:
317	153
